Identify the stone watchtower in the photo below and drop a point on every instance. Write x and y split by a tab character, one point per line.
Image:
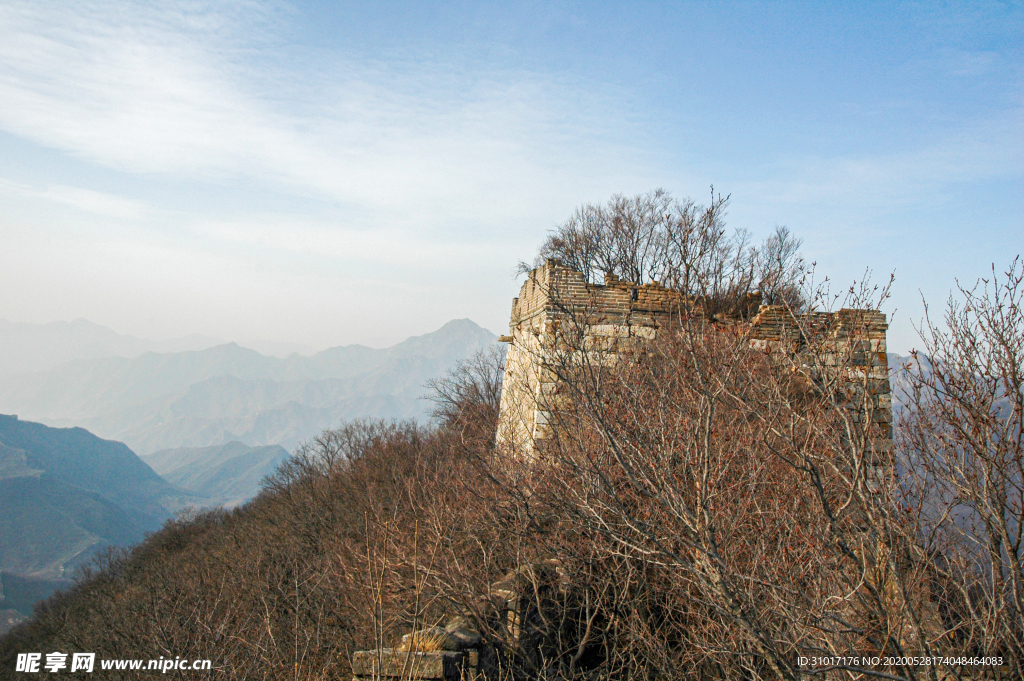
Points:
556	300
558	313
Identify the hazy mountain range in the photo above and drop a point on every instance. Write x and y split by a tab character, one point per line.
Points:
65	494
225	475
225	393
39	347
213	419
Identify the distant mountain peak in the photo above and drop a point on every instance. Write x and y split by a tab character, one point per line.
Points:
196	398
26	347
464	322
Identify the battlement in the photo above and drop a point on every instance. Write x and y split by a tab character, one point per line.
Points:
558	312
554	290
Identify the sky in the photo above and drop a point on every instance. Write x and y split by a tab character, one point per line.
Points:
328	173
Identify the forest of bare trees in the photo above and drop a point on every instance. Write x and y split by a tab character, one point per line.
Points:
708	509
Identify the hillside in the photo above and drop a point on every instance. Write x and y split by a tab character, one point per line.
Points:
227	474
65	495
379	528
223	581
229	393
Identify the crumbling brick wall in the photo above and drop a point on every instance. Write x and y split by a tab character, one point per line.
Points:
558	312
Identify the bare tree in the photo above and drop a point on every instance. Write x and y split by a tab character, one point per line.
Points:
730	508
683	245
471	391
961	440
780	269
708	507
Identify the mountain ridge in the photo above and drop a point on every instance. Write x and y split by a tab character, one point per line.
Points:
163	400
38	347
66	493
228	474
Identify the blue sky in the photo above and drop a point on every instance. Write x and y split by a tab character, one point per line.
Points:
329	173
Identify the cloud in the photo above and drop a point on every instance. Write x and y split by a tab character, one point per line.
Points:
288	235
98	203
980	151
191	90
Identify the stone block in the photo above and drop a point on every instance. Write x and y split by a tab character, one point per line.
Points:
388	663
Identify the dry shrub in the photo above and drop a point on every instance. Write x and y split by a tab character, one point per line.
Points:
325	561
717	499
707	509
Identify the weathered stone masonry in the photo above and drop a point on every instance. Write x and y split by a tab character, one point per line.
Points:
611	319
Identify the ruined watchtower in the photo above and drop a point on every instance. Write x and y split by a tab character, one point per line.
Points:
558	312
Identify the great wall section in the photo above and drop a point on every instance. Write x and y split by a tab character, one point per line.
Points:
558	313
559	318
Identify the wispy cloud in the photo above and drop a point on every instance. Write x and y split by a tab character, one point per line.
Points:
98	203
228	163
986	150
317	241
189	89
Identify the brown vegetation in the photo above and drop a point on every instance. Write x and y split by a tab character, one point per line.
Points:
709	508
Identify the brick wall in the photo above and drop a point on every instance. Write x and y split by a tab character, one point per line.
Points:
559	312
